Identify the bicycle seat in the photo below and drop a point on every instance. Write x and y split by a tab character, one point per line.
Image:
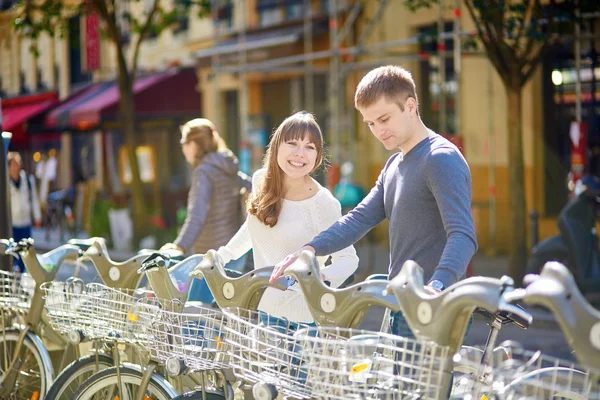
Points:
444	317
380	277
337	307
84	244
244	291
174	255
555	289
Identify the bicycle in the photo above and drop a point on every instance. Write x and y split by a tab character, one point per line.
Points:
176	327
537	376
26	368
122	275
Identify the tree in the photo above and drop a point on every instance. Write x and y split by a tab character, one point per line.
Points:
515	34
37	16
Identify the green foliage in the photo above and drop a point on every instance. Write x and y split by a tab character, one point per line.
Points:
50	16
99	222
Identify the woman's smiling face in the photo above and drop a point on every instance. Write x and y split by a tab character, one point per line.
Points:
297	157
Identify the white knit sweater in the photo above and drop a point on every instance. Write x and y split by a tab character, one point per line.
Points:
298	223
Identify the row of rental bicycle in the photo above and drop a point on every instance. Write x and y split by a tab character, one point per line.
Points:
134	336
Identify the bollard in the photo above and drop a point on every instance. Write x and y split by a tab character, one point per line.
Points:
535	234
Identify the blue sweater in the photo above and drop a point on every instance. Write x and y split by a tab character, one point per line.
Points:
426	196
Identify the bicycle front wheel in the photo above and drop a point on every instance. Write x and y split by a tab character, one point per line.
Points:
35	374
75	374
104	385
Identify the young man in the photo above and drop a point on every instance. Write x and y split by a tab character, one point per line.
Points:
24	202
424	191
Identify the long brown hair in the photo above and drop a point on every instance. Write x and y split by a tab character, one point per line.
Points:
266	200
202	132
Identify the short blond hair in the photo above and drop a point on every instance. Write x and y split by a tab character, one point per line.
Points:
14	156
203	132
391	81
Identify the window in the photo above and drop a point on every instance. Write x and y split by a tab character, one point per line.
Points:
182	24
224	15
432	90
294	9
146	157
269	12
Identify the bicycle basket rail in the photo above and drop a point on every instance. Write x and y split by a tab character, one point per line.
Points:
517	373
261	348
16	290
341	363
68	307
194	336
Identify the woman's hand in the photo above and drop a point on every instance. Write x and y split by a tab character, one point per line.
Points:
172	246
280	268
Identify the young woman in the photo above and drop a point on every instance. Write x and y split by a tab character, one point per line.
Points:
214	193
288	208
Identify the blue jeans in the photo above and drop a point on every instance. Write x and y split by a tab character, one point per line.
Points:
283	326
199	290
399	327
18	234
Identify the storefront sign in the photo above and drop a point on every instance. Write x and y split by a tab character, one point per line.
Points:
92	42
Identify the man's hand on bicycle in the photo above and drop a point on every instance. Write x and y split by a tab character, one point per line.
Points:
280	268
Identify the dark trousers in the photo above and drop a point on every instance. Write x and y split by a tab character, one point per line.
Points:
19	233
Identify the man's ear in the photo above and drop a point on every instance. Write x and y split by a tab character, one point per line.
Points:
411	104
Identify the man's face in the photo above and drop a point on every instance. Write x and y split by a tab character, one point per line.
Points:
13	169
388	123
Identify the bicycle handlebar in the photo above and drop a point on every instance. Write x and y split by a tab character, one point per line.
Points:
242	292
337	307
555	289
114	274
444	317
159	271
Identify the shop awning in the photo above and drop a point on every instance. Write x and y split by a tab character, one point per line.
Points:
260	45
170	94
16	112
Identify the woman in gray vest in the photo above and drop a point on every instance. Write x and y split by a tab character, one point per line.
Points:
213	209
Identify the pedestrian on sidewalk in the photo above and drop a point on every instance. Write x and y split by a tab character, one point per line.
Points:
24	202
214	200
424	191
286	209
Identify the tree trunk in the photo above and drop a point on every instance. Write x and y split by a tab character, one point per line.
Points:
127	110
516	185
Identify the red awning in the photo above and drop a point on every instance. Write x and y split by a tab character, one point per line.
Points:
165	94
16	112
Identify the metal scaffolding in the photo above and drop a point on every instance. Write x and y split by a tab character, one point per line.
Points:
345	23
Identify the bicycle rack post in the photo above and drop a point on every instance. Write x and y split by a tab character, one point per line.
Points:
5	217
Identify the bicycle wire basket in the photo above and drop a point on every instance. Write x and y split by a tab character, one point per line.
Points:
516	373
193	334
69	308
16	290
122	315
340	363
261	348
